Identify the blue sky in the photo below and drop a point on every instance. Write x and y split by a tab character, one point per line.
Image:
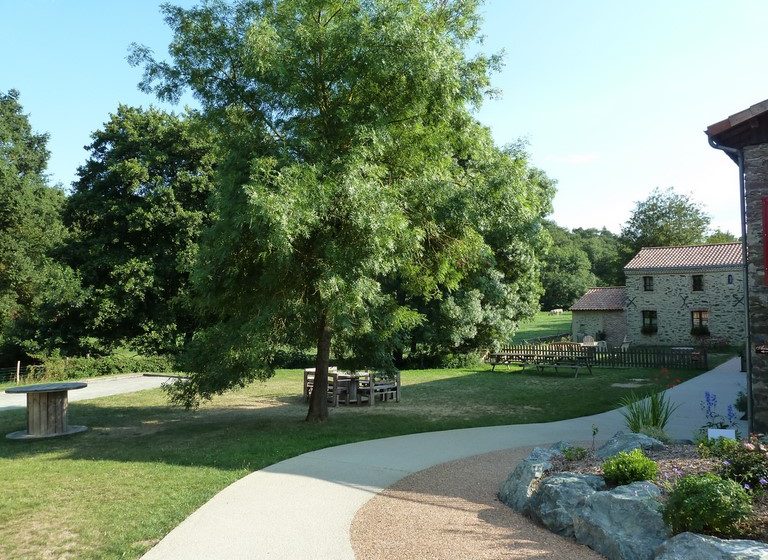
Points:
612	96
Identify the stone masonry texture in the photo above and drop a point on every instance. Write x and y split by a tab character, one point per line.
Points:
673	299
756	174
612	323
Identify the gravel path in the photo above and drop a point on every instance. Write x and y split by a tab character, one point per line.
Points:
450	511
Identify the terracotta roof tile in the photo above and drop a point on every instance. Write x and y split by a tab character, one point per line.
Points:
690	256
602	299
737	119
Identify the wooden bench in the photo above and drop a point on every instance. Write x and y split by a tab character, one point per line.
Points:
379	386
509	360
334	385
575	365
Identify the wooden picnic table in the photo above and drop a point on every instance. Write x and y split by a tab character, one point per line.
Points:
557	362
47	410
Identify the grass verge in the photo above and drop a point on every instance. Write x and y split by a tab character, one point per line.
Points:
144	466
543	324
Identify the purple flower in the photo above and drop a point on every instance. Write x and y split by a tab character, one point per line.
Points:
747	487
727	463
731	414
763	481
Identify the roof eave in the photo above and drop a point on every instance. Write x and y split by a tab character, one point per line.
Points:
705	268
747	127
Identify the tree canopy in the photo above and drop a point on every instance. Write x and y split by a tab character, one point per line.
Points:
721	236
135	215
32	284
665	218
566	273
354	185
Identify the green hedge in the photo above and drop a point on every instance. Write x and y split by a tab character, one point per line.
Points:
57	367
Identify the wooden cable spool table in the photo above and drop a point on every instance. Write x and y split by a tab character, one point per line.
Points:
47	410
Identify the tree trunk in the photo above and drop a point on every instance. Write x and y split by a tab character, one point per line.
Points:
398	357
318	400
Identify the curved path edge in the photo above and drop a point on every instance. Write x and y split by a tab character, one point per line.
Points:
303	507
97	387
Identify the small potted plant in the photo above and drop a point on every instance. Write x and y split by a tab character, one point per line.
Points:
700	330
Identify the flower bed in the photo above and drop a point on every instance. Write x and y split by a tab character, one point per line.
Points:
675	462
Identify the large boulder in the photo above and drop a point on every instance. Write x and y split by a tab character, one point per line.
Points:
690	545
522	481
560	498
624	523
627	442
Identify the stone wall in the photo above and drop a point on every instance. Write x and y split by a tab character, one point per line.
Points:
756	172
673	299
612	323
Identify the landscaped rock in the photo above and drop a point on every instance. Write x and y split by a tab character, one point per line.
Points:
624	523
560	498
699	547
627	442
521	482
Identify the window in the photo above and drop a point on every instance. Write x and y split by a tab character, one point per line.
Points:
699	318
647	283
650	324
730	279
698	283
700	323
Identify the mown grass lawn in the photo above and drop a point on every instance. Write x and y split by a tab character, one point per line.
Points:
144	466
543	324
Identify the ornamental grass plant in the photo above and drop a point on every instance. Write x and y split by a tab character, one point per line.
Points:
653	411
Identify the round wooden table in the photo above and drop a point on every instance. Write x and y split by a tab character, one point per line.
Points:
46	410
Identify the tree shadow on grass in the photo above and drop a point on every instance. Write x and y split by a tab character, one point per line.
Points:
261	429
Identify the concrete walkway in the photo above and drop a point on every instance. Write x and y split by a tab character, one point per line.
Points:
99	387
302	508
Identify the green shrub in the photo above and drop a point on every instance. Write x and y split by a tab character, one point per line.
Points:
627	467
57	367
747	464
707	504
653	411
656	433
600	335
574	453
718	448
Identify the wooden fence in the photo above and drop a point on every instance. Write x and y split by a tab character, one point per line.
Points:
641	357
14	373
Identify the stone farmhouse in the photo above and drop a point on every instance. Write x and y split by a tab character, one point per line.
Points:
601	311
674	296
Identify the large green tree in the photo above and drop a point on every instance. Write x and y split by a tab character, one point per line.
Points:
485	307
664	218
566	273
136	214
721	236
32	284
603	250
351	178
